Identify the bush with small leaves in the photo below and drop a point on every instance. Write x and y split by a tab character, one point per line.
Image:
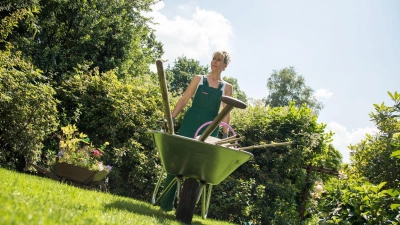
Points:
121	111
27	111
268	188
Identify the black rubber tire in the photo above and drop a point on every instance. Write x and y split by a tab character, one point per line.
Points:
187	201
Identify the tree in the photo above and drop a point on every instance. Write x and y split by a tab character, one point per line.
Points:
180	75
237	93
98	33
372	156
285	86
18	22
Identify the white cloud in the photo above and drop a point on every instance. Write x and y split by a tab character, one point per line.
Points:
196	37
344	138
323	93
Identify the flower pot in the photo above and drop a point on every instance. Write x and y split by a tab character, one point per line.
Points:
78	174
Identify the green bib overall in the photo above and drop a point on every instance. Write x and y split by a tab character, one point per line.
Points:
205	107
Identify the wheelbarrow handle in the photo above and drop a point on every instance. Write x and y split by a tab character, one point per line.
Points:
164	93
230	104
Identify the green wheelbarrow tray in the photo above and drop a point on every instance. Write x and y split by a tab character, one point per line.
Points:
195	159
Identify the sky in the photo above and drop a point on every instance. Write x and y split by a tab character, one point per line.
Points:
347	51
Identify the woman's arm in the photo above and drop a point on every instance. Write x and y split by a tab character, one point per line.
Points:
227	92
189	92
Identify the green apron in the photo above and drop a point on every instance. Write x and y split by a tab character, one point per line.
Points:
205	107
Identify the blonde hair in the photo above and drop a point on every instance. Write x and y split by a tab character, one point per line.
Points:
225	54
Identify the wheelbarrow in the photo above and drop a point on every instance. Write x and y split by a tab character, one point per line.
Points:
196	164
74	175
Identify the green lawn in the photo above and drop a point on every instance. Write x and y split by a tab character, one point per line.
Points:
28	199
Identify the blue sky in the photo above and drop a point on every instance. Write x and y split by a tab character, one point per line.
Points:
347	51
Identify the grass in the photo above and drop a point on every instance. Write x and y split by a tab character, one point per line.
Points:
29	199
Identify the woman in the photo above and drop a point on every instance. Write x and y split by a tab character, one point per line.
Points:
207	91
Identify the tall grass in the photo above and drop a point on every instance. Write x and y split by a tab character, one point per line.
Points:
28	199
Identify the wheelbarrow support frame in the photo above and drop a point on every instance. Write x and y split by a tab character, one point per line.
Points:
204	192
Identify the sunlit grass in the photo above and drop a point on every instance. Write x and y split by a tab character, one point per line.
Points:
28	199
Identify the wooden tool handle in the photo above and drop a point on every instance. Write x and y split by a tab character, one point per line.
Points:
164	93
230	104
236	103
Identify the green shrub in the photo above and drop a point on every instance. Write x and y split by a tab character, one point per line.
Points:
353	200
27	111
268	188
121	112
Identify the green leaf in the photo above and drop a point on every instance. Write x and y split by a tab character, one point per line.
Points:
394	206
358	189
375	189
392	192
390	94
395	153
381	185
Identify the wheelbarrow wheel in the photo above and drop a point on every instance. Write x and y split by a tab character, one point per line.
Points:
187	201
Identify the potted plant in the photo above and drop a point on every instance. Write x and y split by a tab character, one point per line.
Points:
78	159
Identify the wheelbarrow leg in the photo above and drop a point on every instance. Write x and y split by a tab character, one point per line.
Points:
202	187
187	200
160	178
176	180
205	203
97	185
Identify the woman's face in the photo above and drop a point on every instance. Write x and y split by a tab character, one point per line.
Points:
217	63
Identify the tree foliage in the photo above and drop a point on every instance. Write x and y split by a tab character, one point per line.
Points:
180	75
237	92
287	85
354	200
18	21
268	188
27	111
27	106
367	191
372	156
99	33
121	112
